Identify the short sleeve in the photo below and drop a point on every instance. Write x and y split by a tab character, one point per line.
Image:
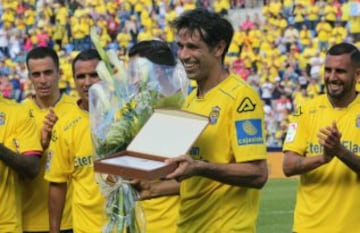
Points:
248	127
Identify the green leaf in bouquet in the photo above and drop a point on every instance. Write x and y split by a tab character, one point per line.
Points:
173	101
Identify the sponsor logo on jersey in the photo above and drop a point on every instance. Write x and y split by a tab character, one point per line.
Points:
357	123
249	132
247	105
83	161
2	118
214	115
316	148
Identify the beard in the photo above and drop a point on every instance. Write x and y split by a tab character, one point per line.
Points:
342	91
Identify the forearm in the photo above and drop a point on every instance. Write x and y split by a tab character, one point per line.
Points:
26	166
57	193
165	188
249	174
350	159
294	164
160	188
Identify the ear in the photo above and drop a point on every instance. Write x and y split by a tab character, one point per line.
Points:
357	74
219	48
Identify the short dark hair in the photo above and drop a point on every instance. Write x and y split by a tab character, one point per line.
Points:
212	27
42	52
346	48
85	55
156	51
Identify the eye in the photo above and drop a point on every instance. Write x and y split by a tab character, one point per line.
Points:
35	74
48	72
80	76
94	75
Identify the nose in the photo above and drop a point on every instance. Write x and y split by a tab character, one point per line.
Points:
87	80
42	77
331	74
183	53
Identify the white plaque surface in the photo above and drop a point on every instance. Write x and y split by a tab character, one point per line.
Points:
168	133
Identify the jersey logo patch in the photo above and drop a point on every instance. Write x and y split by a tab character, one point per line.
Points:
291	132
48	159
357	121
214	115
31	113
2	118
246	105
249	132
297	111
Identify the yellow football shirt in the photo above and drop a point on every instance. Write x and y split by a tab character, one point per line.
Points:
35	199
235	134
18	132
70	157
161	213
327	197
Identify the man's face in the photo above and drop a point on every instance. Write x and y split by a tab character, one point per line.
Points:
44	76
340	76
197	58
85	75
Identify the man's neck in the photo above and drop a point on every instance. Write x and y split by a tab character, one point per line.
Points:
83	105
47	102
342	103
206	85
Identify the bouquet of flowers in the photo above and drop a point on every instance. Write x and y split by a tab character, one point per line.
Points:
119	106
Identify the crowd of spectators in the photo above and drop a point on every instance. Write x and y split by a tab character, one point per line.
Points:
279	51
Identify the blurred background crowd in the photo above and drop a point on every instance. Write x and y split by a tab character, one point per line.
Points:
278	46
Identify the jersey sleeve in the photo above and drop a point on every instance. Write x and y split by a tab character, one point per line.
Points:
248	127
27	137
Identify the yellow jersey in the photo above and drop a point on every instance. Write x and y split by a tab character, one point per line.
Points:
237	126
161	213
327	197
70	157
35	212
18	132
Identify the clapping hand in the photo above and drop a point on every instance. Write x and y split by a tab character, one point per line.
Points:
49	122
329	137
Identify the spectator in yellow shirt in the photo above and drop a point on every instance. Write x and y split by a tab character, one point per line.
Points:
323	30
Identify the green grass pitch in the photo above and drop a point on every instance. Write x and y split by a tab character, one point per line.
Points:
277	206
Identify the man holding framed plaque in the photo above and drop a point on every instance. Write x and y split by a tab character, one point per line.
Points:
221	177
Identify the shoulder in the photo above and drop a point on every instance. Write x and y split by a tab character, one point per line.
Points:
311	106
12	107
235	87
66	104
243	96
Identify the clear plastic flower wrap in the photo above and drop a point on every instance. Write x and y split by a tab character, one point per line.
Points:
119	109
119	105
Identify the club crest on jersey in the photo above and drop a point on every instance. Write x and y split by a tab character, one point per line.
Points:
2	118
214	115
357	121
